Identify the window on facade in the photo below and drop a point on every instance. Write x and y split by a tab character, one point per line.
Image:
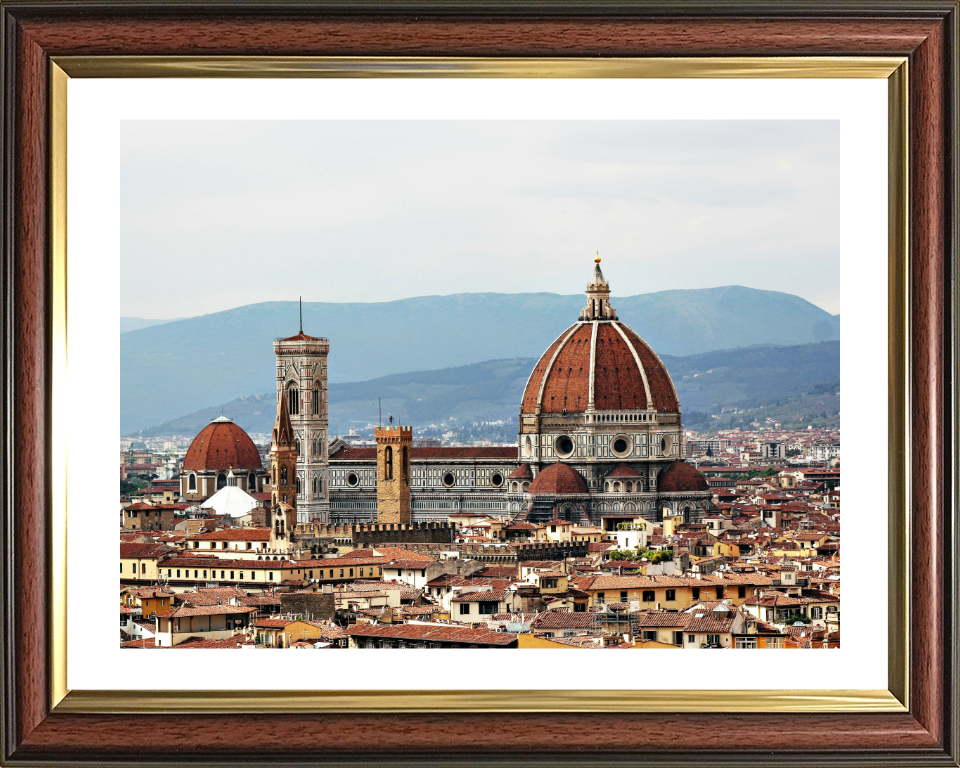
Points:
488	608
298	486
719	591
351	571
816	612
221	481
464	609
623	596
696	593
713	639
388	463
746	642
691	638
294	401
204	574
296	444
271	575
316	400
671	595
341	573
192	483
741	591
283	476
649	596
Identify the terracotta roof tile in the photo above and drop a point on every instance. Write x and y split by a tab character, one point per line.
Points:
221	445
432	633
559	479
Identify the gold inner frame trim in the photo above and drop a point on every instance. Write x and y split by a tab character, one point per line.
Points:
893	69
157	702
412	66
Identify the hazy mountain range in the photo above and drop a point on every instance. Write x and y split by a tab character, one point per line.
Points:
787	381
183	366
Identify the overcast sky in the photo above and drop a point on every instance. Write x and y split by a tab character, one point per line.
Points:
216	215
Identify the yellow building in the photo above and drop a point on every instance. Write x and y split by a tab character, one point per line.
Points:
673	592
139	562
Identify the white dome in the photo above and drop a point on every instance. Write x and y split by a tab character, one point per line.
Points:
231	500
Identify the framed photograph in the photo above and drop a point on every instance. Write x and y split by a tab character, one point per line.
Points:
744	164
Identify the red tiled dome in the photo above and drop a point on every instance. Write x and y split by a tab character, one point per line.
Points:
680	477
557	479
623	470
221	445
521	473
627	373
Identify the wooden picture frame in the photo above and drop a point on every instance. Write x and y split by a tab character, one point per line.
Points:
40	726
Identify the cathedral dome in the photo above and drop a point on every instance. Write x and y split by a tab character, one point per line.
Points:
558	479
599	364
680	477
221	445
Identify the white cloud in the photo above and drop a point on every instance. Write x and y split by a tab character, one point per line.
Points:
219	214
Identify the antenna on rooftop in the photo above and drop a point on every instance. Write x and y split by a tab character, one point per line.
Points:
301	314
379	411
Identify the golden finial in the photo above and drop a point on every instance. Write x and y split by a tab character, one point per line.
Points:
597	260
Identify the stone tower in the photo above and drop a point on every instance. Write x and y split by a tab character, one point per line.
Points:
282	516
302	382
393	474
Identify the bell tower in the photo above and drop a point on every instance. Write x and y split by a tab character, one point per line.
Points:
393	474
282	516
302	381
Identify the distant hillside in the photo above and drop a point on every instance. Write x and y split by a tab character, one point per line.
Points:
801	381
136	323
197	362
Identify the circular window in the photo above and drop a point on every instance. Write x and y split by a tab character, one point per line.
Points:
621	445
353	480
664	448
496	479
449	480
563	446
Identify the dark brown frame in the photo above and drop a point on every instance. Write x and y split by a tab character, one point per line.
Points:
925	32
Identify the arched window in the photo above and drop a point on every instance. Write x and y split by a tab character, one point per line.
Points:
283	476
294	401
192	482
252	483
316	400
388	463
316	486
296	444
405	464
298	486
221	481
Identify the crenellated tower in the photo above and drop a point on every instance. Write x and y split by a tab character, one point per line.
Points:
393	474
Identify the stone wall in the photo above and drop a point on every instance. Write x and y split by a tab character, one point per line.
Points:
318	606
371	534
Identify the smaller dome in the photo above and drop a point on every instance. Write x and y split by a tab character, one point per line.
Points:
521	473
680	477
624	470
222	445
558	479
